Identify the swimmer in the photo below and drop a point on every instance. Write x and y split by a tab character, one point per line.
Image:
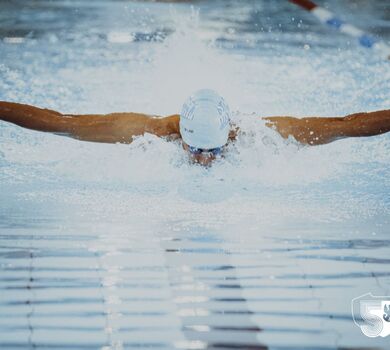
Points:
204	125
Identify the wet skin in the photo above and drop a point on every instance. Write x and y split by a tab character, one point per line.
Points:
123	127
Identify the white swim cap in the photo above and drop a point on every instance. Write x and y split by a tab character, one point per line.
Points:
205	120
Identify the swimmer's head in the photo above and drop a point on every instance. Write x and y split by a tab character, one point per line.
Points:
204	125
205	120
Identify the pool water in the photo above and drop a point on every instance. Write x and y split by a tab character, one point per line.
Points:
131	246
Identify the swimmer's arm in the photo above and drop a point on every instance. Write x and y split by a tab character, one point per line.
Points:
109	128
317	131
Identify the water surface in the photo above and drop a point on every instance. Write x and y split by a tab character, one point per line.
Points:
130	246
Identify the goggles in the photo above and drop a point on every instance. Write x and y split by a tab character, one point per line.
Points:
214	151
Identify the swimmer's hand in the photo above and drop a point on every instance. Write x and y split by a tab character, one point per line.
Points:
109	128
317	131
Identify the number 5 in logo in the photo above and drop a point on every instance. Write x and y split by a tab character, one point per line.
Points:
372	314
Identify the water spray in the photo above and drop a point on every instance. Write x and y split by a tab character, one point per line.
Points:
329	18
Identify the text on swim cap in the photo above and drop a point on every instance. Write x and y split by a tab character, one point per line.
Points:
188	110
224	115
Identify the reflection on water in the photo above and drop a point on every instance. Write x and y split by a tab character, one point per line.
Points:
113	290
